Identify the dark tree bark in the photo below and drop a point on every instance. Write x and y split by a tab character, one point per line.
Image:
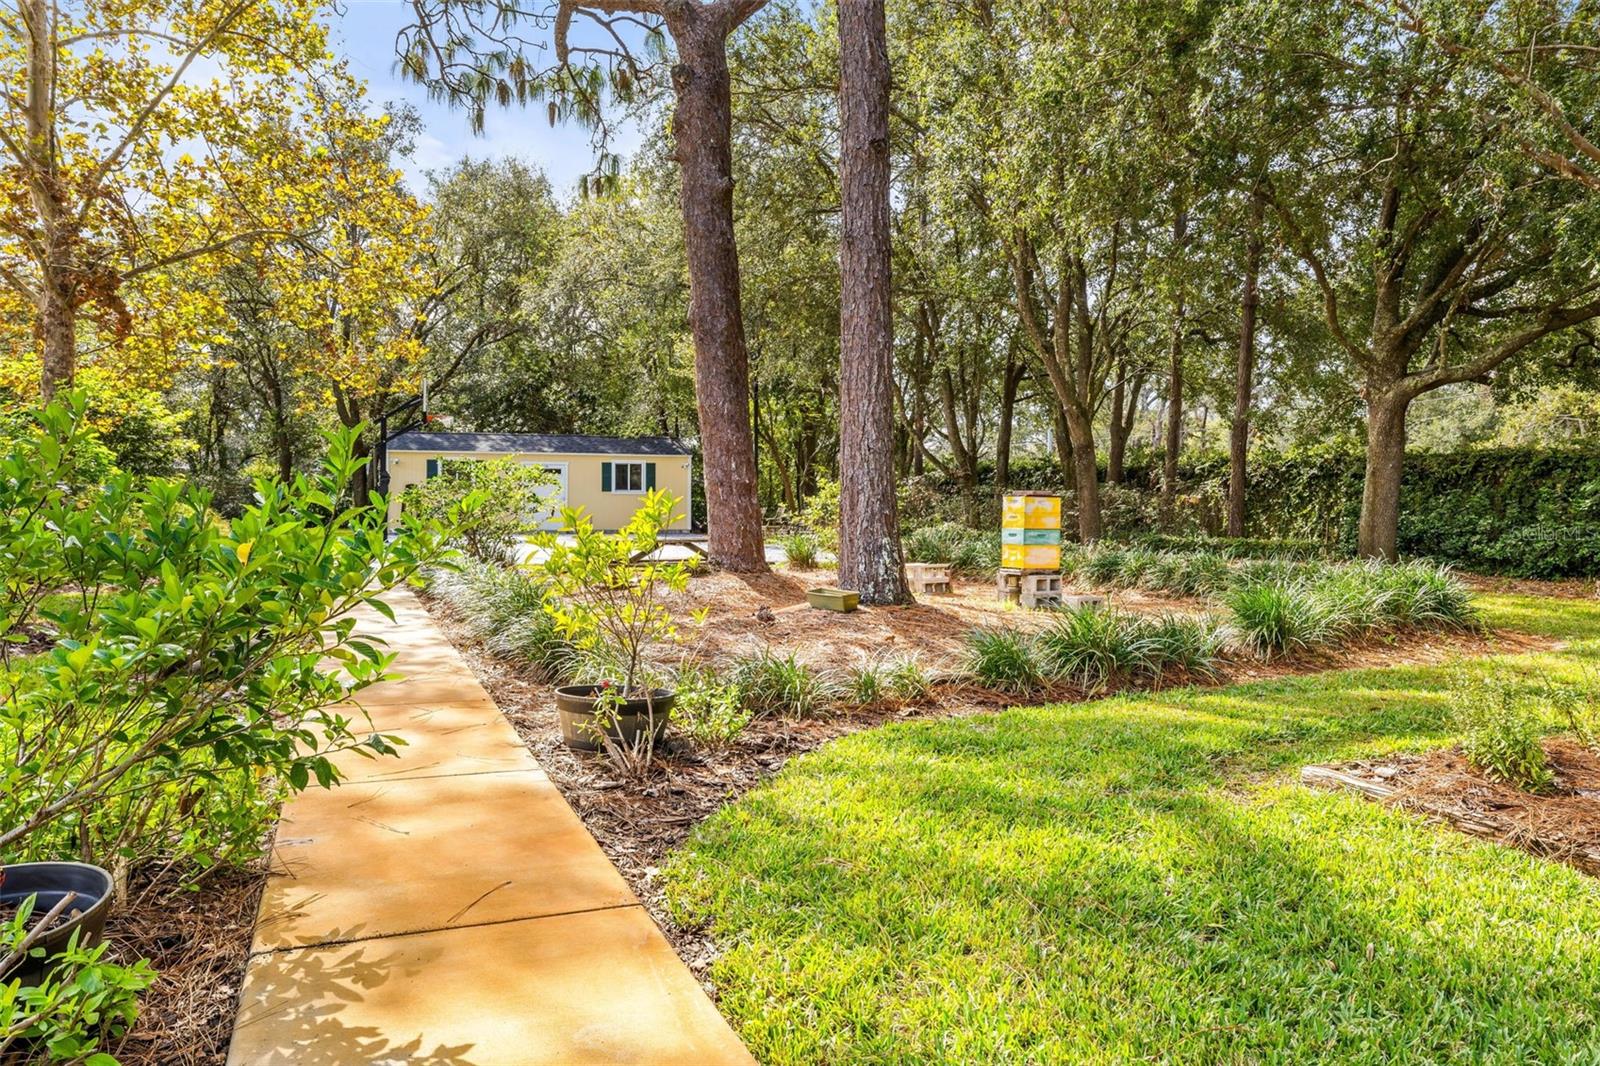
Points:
1244	375
1063	442
869	534
1010	383
702	127
1124	409
1169	463
1118	443
1380	494
1075	359
962	448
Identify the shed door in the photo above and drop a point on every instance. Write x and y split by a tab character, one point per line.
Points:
554	496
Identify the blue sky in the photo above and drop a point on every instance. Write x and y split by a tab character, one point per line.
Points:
365	34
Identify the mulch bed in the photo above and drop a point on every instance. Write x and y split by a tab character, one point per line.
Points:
747	613
198	941
1567	589
639	823
1563	825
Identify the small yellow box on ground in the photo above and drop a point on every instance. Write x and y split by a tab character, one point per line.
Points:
1030	556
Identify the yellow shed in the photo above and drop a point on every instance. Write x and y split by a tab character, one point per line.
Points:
604	475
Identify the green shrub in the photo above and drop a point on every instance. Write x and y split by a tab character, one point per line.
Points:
1501	731
1236	547
1093	648
800	550
601	601
1002	659
773	684
710	710
1547	550
1578	705
194	662
510	502
1533	512
820	513
81	999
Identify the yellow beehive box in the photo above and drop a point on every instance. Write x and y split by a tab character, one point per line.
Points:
1031	511
1030	556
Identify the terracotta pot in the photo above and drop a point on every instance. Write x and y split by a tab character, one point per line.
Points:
575	704
50	881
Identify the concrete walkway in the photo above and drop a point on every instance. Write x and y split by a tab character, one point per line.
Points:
448	907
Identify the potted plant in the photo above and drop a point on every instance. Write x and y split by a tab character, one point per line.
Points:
54	902
604	595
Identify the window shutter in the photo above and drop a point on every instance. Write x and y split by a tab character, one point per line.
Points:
649	475
605	477
433	468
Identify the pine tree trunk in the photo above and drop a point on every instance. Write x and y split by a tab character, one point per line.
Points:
1386	452
702	126
869	535
1244	376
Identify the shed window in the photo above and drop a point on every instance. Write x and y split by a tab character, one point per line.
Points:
627	477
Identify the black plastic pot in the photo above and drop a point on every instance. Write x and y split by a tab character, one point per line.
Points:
580	726
50	881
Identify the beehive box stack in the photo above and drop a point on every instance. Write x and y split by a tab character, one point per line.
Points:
1030	532
1030	549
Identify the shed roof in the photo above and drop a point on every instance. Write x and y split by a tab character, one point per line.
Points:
533	443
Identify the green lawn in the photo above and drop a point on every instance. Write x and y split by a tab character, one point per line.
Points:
1141	878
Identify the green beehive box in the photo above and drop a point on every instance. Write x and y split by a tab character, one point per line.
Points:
1030	536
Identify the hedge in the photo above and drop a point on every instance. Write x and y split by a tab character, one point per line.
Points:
1519	511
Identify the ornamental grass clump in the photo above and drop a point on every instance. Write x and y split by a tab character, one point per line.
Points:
782	685
1202	574
886	680
908	681
1501	731
1276	618
1102	565
1003	659
504	607
1093	648
967	551
800	550
1135	565
1185	644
